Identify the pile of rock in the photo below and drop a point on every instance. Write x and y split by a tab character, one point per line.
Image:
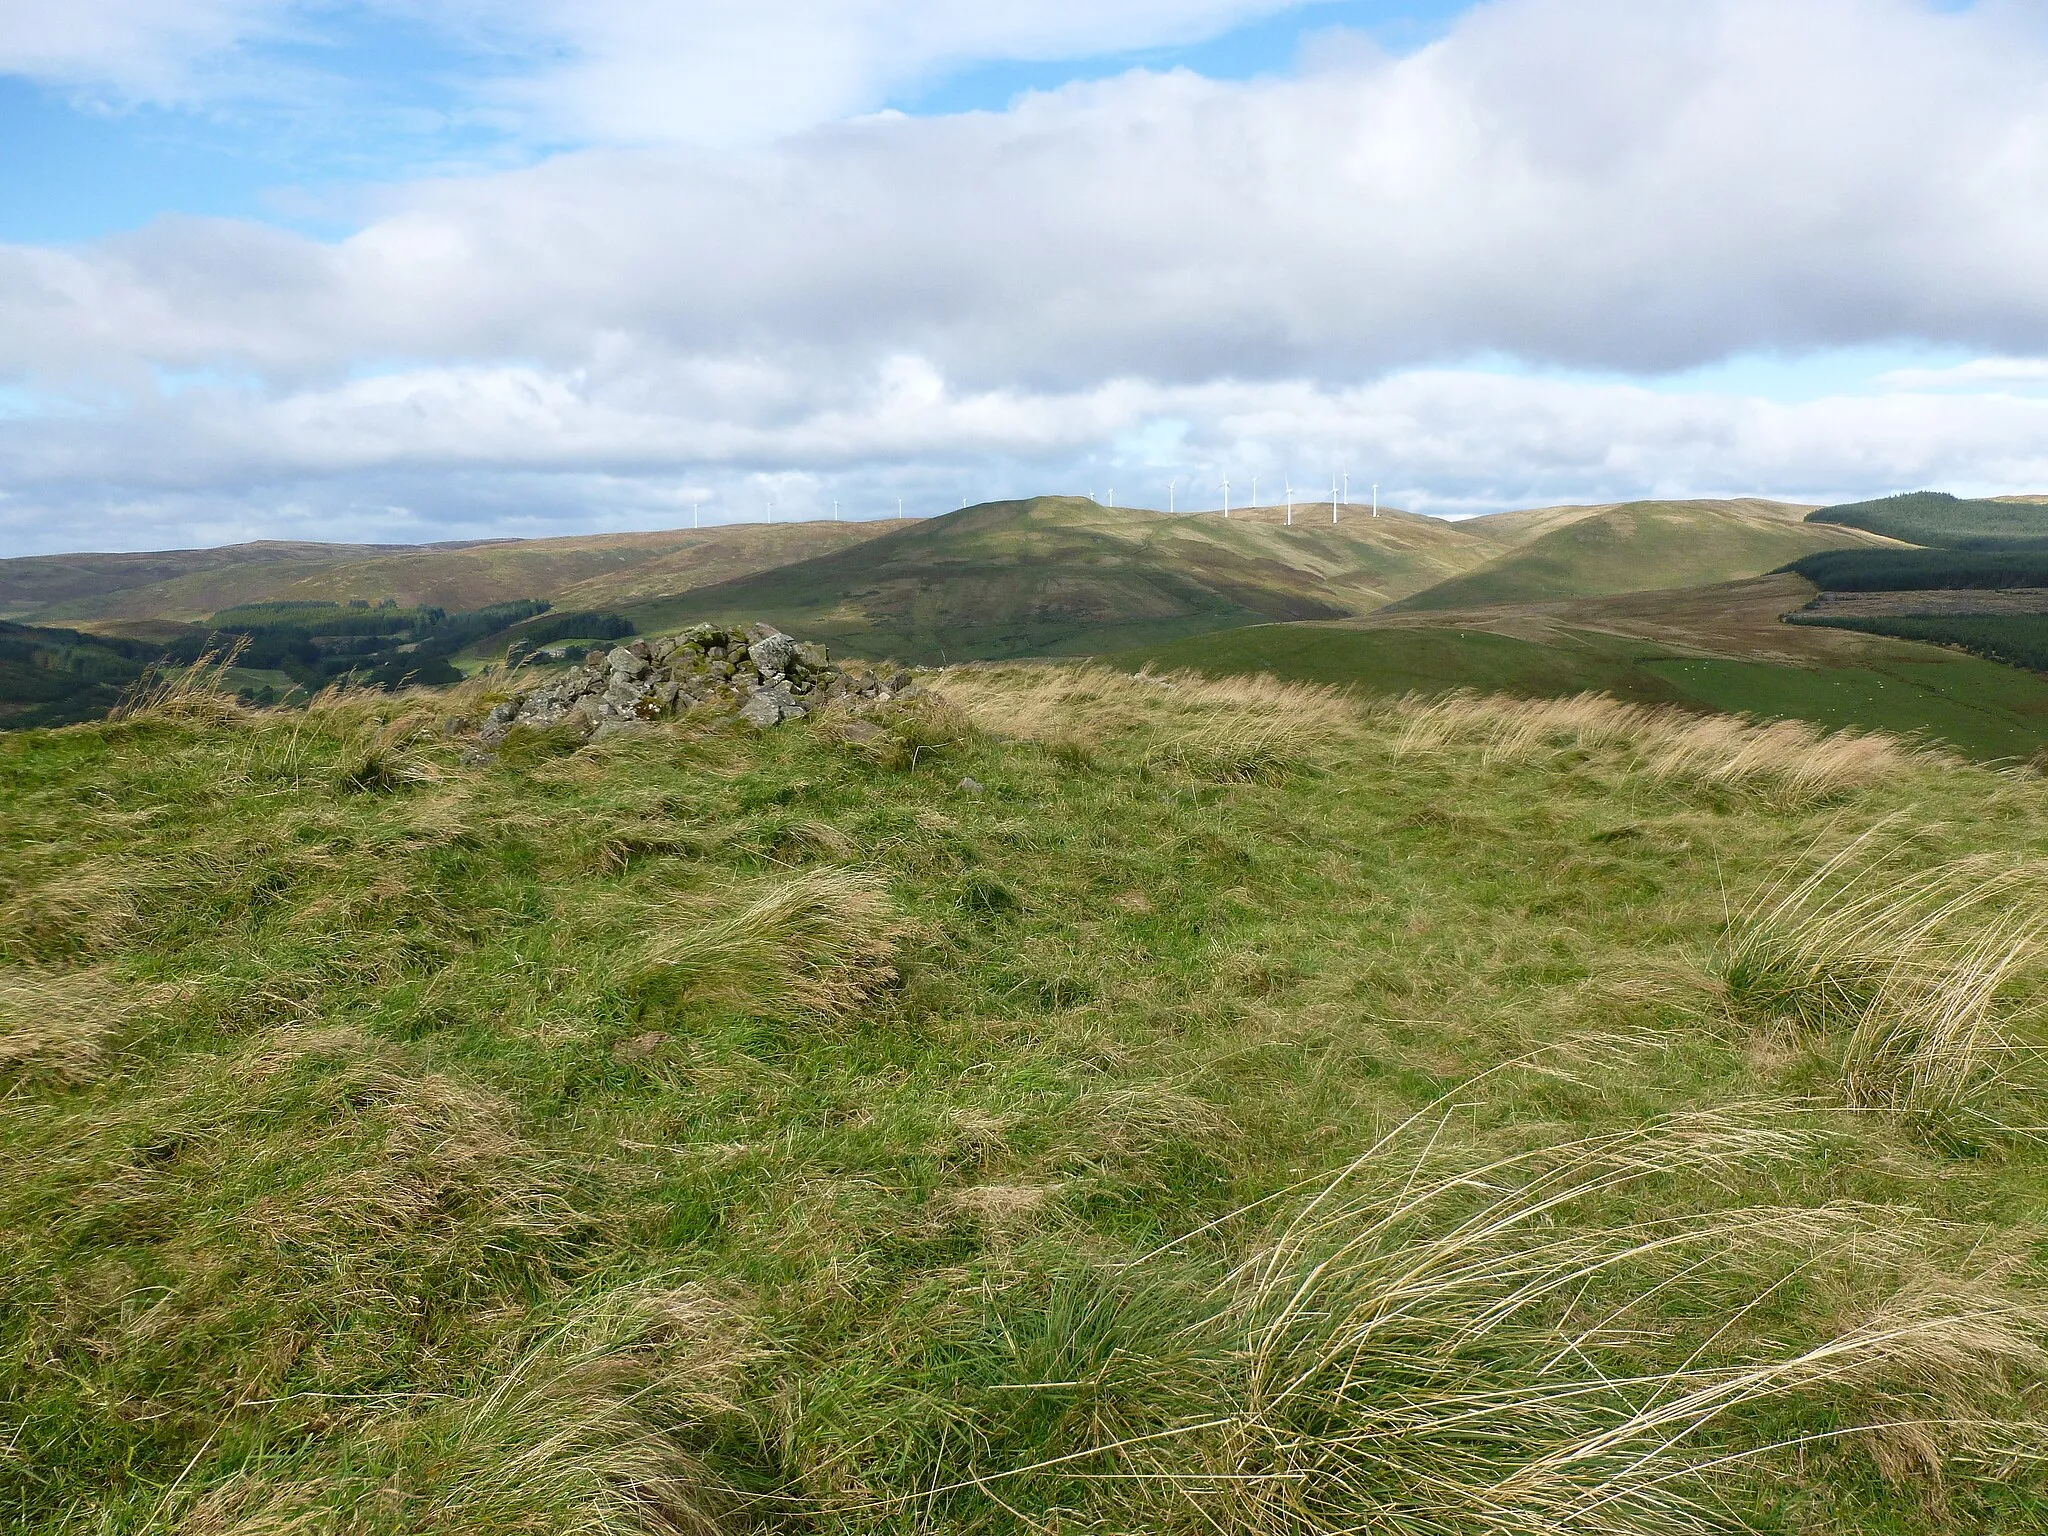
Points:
755	671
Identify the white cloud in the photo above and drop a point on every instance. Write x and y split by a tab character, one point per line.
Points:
606	71
143	48
1980	373
1000	298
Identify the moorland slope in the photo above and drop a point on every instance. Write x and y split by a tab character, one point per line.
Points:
594	571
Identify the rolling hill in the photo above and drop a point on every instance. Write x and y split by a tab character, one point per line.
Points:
1634	547
1062	574
601	570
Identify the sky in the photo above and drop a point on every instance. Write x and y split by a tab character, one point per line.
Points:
407	270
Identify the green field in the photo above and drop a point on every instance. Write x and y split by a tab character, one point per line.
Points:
1062	1104
1983	709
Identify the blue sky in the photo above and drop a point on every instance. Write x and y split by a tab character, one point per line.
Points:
379	100
442	268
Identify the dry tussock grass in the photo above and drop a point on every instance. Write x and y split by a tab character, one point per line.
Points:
818	941
1917	968
194	695
1225	728
559	1435
379	756
1429	1344
1111	1129
54	1025
93	907
1787	759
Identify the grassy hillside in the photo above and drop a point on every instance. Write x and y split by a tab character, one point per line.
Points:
1938	519
596	571
1241	1113
1062	574
1641	546
1714	648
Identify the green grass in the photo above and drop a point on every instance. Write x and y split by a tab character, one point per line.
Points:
722	1130
1980	708
1640	547
1983	709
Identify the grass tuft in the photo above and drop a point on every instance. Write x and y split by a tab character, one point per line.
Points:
199	694
55	1025
818	941
1913	970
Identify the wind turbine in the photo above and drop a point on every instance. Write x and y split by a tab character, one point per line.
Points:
1290	502
1333	498
693	514
1169	495
1255	492
1112	496
1226	497
1375	498
1347	487
835	509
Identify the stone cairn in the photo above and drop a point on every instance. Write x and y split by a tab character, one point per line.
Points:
755	672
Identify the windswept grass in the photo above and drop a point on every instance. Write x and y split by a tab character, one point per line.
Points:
1460	1347
199	693
1787	760
818	942
1915	969
1239	1109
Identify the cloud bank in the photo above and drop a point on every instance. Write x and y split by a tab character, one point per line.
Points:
1458	273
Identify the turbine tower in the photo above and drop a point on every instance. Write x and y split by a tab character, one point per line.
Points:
1169	496
1226	498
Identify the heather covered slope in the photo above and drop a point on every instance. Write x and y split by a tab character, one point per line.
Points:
1063	574
1234	1111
